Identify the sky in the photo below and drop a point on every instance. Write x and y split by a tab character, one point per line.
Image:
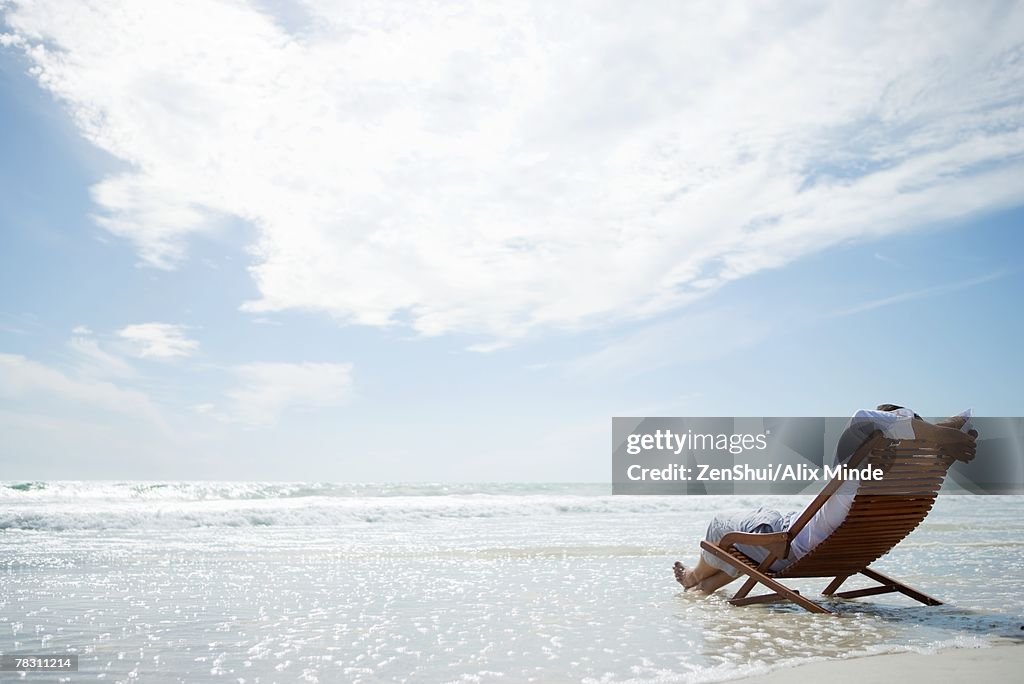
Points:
349	241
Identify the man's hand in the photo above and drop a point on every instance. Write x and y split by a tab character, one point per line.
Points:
960	445
955	422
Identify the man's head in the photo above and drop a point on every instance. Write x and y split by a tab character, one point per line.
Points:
893	407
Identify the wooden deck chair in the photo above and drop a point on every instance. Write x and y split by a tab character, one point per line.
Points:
882	514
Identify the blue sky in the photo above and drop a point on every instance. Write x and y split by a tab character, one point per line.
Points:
383	244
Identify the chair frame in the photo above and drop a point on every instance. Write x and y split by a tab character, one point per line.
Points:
881	515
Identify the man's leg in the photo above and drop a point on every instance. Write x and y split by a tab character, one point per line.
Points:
708	578
700	573
715	582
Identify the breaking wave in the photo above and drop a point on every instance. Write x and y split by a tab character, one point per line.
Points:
62	491
133	505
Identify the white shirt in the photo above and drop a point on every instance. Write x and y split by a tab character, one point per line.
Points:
894	425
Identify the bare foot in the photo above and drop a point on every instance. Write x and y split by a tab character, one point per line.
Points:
684	576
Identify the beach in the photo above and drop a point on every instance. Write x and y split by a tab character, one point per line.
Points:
319	582
1001	663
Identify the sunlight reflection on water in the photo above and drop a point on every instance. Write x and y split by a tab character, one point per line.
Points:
578	592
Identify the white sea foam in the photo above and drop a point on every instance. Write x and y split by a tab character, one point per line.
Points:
310	511
84	505
160	505
65	490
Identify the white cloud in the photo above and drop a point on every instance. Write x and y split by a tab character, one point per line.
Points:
888	260
158	340
96	361
265	391
693	337
924	293
81	330
24	379
500	169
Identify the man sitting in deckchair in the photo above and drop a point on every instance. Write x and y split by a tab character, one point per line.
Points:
895	422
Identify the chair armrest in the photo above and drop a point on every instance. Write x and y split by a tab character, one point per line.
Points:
777	543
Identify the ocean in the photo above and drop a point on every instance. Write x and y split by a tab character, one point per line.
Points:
318	582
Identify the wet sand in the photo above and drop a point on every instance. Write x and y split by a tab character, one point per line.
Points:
1001	663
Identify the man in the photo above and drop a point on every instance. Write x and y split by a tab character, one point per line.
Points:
895	422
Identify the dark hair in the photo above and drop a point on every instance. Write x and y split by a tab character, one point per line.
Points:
893	407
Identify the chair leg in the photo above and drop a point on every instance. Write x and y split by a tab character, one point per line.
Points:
763	598
834	585
758	576
745	589
900	587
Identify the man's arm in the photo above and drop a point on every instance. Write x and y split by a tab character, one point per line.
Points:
957	423
946	433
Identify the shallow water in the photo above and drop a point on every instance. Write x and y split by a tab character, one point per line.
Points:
196	582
